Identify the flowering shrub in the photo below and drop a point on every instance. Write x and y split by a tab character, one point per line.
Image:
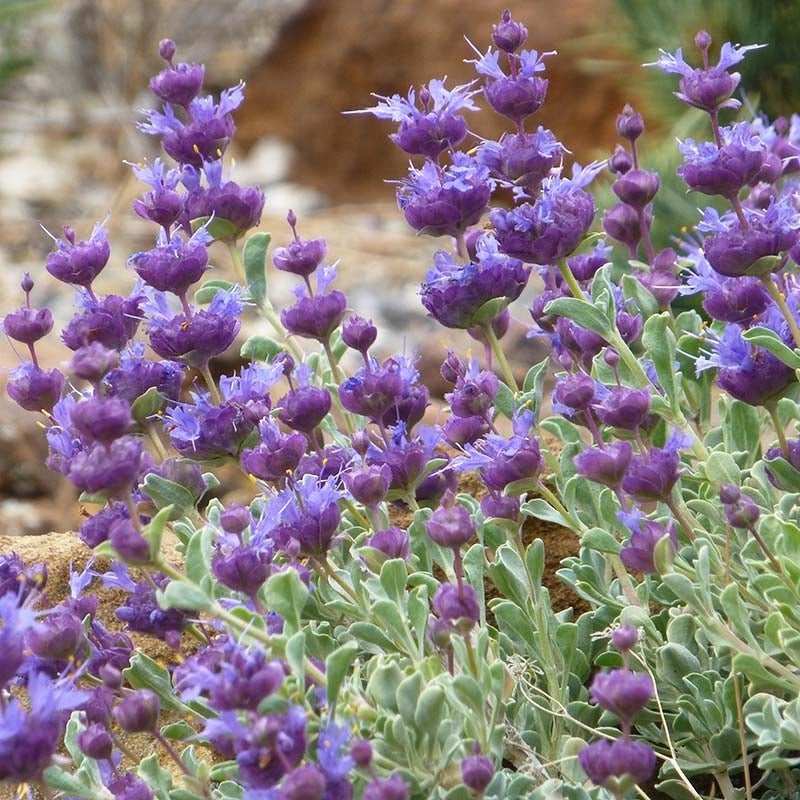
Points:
326	649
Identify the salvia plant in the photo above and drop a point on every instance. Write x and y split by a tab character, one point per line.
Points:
373	624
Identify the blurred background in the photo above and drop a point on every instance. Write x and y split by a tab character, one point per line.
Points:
74	72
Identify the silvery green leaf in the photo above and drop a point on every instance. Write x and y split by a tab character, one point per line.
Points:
393	578
260	348
408	694
382	686
602	540
165	493
769	340
156	777
643	297
430	708
147	404
337	665
581	313
254	258
541	509
144	673
504	401
181	594
208	291
286	594
659	341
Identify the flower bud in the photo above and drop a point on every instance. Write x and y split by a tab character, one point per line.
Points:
509	36
630	124
96	742
359	333
450	525
361	753
166	49
235	518
477	771
138	712
624	637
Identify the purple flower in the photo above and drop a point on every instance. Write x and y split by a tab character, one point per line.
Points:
709	88
637	188
141	611
96	742
630	124
277	455
18	579
137	374
30	736
315	317
79	263
129	787
304	783
623	407
368	484
606	465
304	407
522	159
603	760
229	675
109	470
138	712
310	517
299	257
509	35
638	552
450	525
477	771
501	461
239	207
431	130
203	431
179	83
207	133
101	419
335	760
547	230
18	621
733	251
747	372
520	94
174	264
128	542
28	325
196	338
163	205
622	222
359	333
93	362
622	692
727	169
243	569
465	295
625	637
392	543
392	788
35	389
58	636
445	201
373	390
456	604
112	322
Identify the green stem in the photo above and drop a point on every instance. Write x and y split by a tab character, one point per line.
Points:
779	429
569	278
242	627
210	383
576	525
684	517
780	301
238	266
494	343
